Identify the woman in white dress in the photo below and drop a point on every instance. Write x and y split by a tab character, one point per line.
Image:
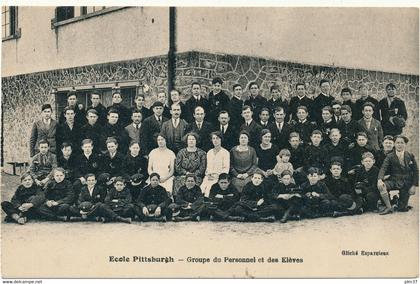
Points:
218	161
162	161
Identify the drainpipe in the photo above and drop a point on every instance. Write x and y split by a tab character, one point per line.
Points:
172	48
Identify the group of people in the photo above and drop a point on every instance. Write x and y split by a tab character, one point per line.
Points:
219	157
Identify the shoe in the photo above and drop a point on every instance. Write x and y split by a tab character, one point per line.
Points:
387	211
339	214
294	217
235	218
283	220
267	219
164	219
63	218
197	218
211	218
76	219
405	209
21	220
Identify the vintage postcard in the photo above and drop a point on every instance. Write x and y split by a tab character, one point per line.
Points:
209	142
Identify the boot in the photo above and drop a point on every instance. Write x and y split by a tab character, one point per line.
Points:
63	218
267	219
123	220
19	219
387	202
235	218
286	215
387	211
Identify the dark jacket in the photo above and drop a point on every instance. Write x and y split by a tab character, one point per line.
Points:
397	108
235	111
39	132
102	113
256	104
92	132
192	103
319	188
368	178
339	186
319	102
280	137
68	165
230	196
348	131
134	165
98	195
295	102
86	166
113	166
251	194
61	192
116	131
230	137
32	195
118	200
316	157
304	129
153	196
124	114
65	134
407	173
217	103
254	130
185	195
205	143
149	129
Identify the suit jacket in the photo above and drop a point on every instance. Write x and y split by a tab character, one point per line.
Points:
98	195
133	133
42	131
113	166
92	132
359	107
205	143
79	116
254	130
65	134
295	102
149	129
116	131
171	133
61	192
42	167
397	108
86	166
230	137
280	137
217	103
102	113
124	114
235	110
192	103
256	104
374	133
407	174
319	102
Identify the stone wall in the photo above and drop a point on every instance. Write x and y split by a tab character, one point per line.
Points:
23	95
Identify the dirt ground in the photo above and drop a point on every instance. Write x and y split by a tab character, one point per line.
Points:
307	248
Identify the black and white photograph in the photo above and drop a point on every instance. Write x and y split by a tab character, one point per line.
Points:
209	141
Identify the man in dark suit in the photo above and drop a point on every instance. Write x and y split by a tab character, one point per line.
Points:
348	127
202	128
161	97
371	127
218	100
277	101
235	106
174	129
255	101
124	117
364	98
299	100
79	114
113	129
264	118
151	127
176	99
195	100
95	98
402	168
390	109
228	131
322	100
91	130
279	129
68	131
139	101
253	128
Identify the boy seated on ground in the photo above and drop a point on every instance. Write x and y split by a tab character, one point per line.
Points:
153	201
254	204
223	195
316	196
189	201
365	182
25	201
119	200
90	204
43	164
59	197
346	201
287	196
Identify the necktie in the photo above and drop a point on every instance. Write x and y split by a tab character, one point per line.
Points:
199	126
223	129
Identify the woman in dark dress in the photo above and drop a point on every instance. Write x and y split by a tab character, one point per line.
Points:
266	153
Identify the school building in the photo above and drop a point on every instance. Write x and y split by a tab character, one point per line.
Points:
47	51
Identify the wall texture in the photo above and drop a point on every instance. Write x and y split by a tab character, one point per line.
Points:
125	34
23	95
384	39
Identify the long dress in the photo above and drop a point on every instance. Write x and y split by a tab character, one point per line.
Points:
217	163
242	162
189	162
160	162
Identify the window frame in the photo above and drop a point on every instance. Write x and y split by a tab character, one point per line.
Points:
15	32
56	24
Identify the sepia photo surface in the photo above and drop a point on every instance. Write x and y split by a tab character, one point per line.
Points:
50	53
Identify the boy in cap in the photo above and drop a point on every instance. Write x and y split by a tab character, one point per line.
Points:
43	129
402	167
43	164
151	127
119	201
59	197
153	202
25	201
189	201
218	100
223	195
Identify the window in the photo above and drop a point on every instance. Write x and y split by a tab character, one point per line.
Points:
83	97
69	14
9	22
90	9
64	13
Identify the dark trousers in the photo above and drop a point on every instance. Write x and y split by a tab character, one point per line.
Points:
10	209
127	211
317	207
253	214
51	213
196	209
165	211
98	210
